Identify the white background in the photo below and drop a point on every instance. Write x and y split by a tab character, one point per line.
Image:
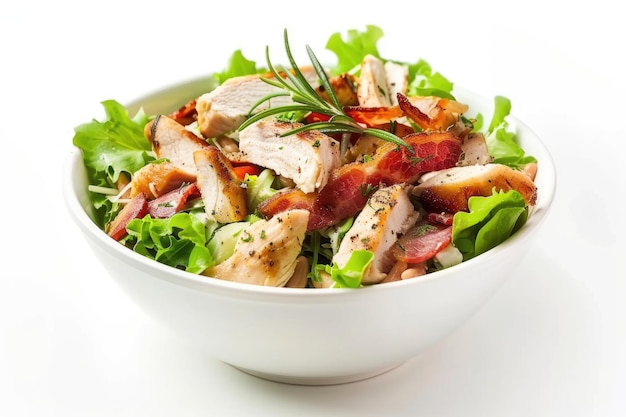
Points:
550	343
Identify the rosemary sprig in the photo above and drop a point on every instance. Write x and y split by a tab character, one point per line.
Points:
306	99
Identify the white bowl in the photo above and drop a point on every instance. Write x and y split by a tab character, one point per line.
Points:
309	336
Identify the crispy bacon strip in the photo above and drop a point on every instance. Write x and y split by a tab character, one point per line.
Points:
350	186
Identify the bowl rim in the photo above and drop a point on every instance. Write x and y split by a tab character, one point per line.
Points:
73	162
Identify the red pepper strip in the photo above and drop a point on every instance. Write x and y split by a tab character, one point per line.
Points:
241	171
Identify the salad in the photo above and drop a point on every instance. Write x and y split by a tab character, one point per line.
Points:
363	173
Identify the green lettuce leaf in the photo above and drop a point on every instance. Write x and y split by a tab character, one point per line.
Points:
501	141
115	145
109	148
425	82
179	241
350	52
489	222
238	66
351	275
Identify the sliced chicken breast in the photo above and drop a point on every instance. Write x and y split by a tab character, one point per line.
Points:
157	179
475	151
448	190
397	76
224	109
307	158
387	215
224	199
173	141
266	252
373	90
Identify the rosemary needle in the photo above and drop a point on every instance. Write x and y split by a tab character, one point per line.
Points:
306	99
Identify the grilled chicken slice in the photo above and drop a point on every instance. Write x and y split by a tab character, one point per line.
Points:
475	151
307	158
397	76
224	199
266	252
173	141
448	190
387	215
224	109
157	179
373	90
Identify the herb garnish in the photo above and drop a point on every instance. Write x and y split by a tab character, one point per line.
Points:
306	99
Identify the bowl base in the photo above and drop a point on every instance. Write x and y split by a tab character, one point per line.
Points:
323	380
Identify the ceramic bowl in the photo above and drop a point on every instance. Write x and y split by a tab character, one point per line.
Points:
309	336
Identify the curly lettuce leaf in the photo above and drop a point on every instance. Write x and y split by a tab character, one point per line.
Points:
501	141
489	222
115	145
109	148
179	241
350	52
